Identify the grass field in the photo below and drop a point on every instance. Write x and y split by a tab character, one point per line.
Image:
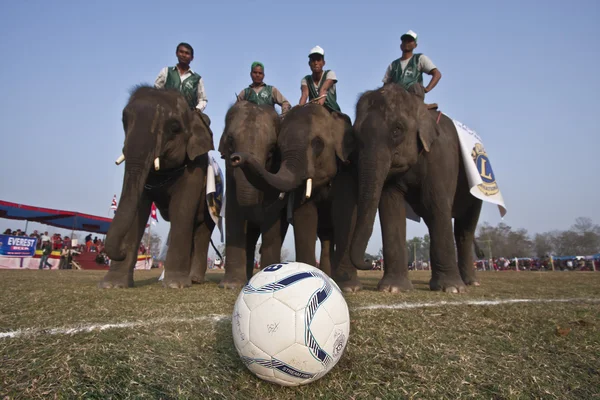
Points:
61	337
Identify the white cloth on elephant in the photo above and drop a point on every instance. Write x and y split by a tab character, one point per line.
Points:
481	177
161	79
215	184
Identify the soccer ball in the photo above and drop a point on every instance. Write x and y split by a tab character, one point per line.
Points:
290	324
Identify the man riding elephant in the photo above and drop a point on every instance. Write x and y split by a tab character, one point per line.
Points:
320	85
407	71
260	93
184	79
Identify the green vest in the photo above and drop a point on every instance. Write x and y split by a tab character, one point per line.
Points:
410	75
188	88
330	100
264	96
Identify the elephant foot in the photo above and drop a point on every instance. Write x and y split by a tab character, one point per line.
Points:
472	282
173	281
115	281
447	284
198	279
347	280
230	282
350	286
394	284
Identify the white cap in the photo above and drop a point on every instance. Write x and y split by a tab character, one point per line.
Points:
411	34
317	50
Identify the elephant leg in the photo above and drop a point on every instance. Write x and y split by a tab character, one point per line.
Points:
120	273
325	235
183	220
235	246
392	217
444	269
343	214
305	232
464	234
272	240
251	239
202	236
326	253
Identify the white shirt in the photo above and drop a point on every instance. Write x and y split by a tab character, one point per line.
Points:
424	65
162	79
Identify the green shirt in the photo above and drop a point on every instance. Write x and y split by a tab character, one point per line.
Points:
264	95
410	75
188	88
330	100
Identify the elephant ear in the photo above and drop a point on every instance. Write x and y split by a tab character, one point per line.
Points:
201	141
428	128
343	135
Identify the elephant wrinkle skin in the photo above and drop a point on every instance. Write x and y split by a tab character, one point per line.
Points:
159	124
251	131
405	156
312	144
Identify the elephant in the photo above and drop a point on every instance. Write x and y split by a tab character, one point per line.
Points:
252	129
313	143
407	153
166	160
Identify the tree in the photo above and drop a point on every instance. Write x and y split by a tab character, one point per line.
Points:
542	244
155	242
370	257
415	245
285	254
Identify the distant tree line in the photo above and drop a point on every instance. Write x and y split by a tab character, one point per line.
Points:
582	239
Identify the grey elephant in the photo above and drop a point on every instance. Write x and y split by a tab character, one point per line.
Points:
166	160
313	143
408	153
250	212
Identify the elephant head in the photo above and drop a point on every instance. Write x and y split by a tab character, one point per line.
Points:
161	133
309	141
250	129
392	130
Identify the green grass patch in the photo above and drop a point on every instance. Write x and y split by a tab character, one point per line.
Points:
176	350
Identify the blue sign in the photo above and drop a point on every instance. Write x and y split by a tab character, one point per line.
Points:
17	246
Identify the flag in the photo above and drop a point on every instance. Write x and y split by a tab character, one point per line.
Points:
153	215
113	205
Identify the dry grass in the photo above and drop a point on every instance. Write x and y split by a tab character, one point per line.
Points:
526	350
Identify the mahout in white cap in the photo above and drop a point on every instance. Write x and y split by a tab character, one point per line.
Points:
409	34
317	50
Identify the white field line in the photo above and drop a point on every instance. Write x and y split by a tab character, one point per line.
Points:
30	332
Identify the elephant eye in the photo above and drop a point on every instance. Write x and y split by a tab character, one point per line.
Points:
175	126
230	143
398	133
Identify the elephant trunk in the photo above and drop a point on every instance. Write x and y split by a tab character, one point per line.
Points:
246	194
136	174
373	168
288	178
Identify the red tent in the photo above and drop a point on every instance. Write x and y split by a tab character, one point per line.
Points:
61	219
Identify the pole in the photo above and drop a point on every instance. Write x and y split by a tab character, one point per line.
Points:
552	262
415	251
148	241
26	224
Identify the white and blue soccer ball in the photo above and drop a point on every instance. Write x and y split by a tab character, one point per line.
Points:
290	324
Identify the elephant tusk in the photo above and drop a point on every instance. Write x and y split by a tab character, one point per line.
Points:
308	188
120	159
281	195
156	164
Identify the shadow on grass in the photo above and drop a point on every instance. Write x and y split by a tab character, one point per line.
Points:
147	282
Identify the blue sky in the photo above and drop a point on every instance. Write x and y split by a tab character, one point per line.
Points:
520	73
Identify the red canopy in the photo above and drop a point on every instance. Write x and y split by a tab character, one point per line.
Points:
62	219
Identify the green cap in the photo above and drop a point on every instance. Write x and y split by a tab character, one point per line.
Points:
257	64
